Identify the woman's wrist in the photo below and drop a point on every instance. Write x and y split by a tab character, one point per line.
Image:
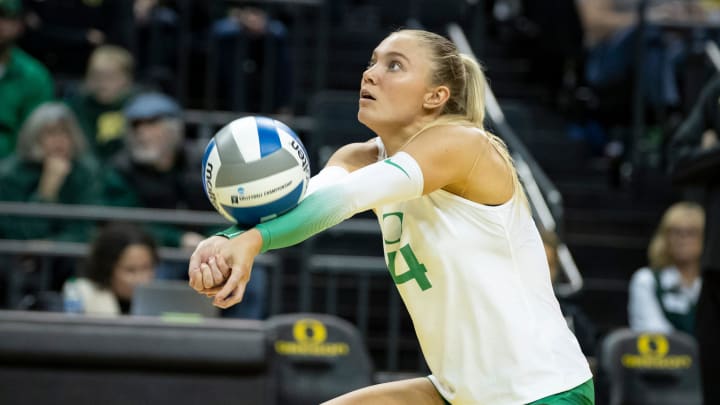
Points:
255	239
231	232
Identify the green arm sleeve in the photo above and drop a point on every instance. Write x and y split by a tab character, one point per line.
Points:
319	211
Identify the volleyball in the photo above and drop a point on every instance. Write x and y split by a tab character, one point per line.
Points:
254	169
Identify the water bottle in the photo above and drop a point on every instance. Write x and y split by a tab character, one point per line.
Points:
72	299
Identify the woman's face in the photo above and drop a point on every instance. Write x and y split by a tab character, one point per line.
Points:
395	84
56	141
135	266
685	240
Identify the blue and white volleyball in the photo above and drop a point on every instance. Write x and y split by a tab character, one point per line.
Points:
254	169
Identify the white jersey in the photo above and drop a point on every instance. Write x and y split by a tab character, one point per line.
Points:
476	283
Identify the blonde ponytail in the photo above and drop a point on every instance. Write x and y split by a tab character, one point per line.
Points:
467	83
475	85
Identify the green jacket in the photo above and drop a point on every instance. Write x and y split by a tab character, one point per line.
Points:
103	125
25	84
19	182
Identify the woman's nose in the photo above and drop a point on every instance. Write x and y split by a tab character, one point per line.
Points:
369	75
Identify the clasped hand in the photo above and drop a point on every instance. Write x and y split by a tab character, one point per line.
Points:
220	267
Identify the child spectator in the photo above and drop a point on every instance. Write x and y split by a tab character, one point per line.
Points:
98	105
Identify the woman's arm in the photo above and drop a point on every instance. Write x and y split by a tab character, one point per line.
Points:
440	157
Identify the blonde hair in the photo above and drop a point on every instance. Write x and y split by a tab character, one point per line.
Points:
681	212
116	56
465	78
28	145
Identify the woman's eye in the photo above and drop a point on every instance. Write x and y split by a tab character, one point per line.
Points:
370	64
394	65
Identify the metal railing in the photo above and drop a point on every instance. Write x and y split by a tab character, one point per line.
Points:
713	54
45	250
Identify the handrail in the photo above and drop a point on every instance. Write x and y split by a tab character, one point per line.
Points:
80	250
544	197
104	213
713	53
220	118
357	226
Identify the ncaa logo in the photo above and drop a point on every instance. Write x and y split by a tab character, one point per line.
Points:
241	191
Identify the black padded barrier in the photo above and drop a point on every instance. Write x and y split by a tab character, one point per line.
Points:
54	358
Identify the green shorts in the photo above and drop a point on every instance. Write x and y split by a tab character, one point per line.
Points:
583	394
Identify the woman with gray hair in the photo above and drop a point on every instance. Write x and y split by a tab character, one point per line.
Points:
49	165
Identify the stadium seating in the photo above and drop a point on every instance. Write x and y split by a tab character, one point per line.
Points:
650	368
335	113
70	359
316	357
51	358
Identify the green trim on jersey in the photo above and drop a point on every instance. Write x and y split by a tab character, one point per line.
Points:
393	164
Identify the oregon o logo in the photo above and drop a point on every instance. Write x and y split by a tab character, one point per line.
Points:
652	345
309	331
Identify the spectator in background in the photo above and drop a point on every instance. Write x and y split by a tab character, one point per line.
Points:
122	256
155	43
49	166
664	295
610	28
156	169
24	82
578	322
241	40
611	33
63	33
694	156
98	105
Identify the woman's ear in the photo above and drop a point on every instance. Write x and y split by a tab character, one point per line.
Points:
436	97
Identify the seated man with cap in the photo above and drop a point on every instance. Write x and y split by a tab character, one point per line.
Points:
156	168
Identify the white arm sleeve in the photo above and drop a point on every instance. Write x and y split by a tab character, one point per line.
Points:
395	179
327	176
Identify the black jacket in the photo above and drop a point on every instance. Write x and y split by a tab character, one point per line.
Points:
693	166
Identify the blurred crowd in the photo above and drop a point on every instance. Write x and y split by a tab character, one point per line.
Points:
90	115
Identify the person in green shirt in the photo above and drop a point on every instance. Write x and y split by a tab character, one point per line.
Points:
24	82
99	103
49	166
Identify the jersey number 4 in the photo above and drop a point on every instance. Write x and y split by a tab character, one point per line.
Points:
416	270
